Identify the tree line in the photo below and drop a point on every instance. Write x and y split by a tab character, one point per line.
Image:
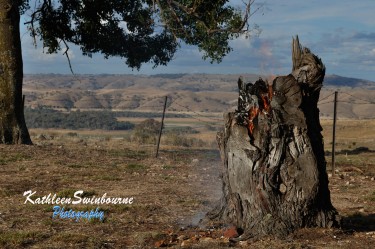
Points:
49	118
105	120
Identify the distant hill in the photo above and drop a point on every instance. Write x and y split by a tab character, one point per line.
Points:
336	80
187	92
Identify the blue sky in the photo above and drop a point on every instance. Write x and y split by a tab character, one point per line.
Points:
341	32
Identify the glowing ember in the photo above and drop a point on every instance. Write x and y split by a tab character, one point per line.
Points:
266	103
253	100
270	92
265	108
253	113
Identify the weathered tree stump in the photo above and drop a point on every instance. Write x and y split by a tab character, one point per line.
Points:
274	170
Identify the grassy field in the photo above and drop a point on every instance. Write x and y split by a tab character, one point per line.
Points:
171	193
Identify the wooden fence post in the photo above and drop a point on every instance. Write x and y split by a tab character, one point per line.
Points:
161	126
334	133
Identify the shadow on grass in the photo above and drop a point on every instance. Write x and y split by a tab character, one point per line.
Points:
358	222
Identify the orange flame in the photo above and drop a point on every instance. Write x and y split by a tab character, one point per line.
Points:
270	92
266	103
253	113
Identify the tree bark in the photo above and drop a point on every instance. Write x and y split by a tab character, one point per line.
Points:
274	170
13	128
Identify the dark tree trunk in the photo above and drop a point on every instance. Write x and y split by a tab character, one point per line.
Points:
13	128
274	170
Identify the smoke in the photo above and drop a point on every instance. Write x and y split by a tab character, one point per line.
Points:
269	64
207	186
266	50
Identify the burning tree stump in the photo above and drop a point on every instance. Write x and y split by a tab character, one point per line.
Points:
274	170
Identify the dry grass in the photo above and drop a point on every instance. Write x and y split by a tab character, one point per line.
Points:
350	134
169	192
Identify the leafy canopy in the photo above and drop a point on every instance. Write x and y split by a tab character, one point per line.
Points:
140	31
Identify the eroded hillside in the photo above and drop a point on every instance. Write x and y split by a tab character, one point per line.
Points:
187	92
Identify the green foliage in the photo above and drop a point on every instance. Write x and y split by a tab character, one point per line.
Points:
206	24
140	31
147	131
48	118
23	5
178	139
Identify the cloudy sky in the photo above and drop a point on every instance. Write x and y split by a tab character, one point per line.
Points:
341	32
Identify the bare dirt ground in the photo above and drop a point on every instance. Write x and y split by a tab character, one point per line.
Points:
170	193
